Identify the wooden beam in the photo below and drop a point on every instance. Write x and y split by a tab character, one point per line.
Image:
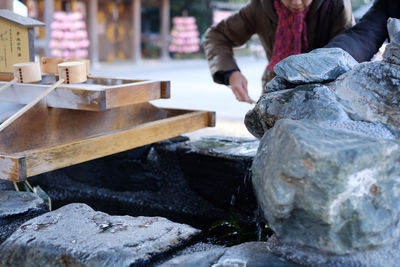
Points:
137	31
165	17
6	76
12	168
118	96
165	89
44	127
93	33
60	98
43	157
43	160
98	96
6	4
48	17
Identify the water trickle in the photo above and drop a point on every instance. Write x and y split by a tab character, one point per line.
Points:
260	223
241	188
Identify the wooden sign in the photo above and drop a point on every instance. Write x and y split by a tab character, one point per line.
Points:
14	45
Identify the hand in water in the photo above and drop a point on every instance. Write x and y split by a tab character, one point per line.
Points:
238	85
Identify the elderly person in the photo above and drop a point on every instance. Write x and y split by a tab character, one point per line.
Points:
285	27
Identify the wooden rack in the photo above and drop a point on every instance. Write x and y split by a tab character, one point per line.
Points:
81	122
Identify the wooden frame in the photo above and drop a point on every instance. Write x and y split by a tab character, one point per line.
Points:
105	93
104	117
21	165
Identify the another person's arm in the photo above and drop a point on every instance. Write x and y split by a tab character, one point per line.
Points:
219	42
364	39
342	18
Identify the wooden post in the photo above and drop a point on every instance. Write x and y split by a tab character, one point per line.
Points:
48	13
6	4
137	31
93	33
164	29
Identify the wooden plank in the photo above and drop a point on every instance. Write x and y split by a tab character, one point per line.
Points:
122	95
6	4
26	108
12	168
94	97
165	29
48	18
165	89
6	76
60	98
137	31
8	109
43	126
93	32
59	156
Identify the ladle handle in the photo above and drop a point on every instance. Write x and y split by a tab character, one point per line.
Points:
13	81
28	106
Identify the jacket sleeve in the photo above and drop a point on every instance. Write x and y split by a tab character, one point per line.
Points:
364	40
220	40
343	18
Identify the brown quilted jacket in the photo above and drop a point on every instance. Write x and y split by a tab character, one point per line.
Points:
325	19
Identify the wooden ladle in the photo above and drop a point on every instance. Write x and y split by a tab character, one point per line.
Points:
69	72
27	72
50	64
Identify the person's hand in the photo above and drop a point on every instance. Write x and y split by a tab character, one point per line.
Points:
238	85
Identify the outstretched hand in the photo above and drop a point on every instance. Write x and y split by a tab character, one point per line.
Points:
238	85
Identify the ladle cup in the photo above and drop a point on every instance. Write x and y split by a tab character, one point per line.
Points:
26	72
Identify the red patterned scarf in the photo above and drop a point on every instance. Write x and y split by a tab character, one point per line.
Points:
290	35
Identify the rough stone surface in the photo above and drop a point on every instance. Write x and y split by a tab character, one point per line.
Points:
252	254
16	203
76	235
367	93
218	169
341	184
326	171
386	256
371	91
6	185
392	50
277	84
313	102
320	65
16	208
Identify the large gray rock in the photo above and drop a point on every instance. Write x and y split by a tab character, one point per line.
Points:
386	256
76	235
392	50
332	189
252	254
314	102
6	185
319	65
326	173
369	92
372	92
277	84
16	208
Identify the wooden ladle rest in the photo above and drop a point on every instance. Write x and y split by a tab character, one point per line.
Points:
69	72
